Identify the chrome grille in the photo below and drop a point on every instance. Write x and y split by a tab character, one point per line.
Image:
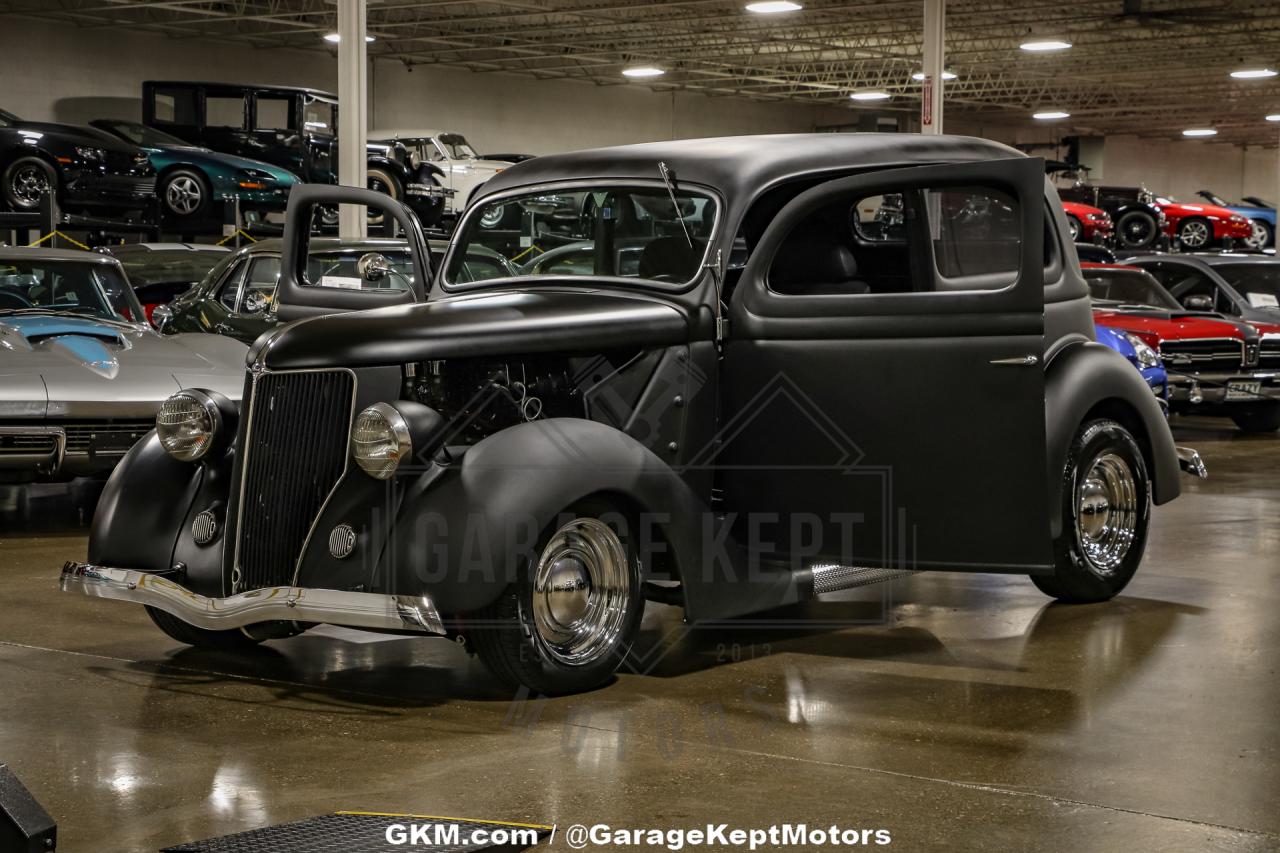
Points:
295	453
1269	353
81	435
1203	354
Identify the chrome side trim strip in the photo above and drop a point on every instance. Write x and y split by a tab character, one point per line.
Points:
831	578
287	603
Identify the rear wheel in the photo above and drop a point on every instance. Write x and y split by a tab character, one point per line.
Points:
1195	233
569	620
1106	505
1136	230
26	180
201	638
1265	418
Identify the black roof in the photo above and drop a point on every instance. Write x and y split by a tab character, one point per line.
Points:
739	165
290	90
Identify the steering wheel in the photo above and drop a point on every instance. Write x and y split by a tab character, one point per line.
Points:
20	300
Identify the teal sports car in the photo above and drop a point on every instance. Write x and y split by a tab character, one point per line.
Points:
191	181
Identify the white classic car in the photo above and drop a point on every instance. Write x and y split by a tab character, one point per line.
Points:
464	169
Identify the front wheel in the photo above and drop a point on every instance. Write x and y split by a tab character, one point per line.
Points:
26	180
1073	227
186	194
569	620
1106	504
1136	230
1265	418
1195	234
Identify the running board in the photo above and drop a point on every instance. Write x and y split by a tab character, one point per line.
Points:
828	577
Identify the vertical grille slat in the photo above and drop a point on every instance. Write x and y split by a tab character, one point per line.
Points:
296	454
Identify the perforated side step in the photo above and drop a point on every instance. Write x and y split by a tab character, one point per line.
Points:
366	832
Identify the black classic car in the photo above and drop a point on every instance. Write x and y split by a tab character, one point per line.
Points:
1139	221
86	170
789	395
293	128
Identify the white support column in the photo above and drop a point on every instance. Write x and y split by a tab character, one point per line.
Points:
935	12
353	111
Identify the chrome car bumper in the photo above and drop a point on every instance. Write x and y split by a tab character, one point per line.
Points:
286	603
1189	391
1190	462
429	191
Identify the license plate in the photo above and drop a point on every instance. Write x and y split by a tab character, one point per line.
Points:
1243	390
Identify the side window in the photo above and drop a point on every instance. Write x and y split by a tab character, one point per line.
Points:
1185	283
174	106
260	285
229	290
917	240
273	113
224	111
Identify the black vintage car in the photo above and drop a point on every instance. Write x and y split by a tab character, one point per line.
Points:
789	393
1139	222
87	170
286	126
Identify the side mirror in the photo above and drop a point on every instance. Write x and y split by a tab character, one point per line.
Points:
373	267
1197	302
161	316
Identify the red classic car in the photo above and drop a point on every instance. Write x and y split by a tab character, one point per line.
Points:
1213	362
1088	224
1200	226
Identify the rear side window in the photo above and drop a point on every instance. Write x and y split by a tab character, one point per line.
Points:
224	111
273	113
174	106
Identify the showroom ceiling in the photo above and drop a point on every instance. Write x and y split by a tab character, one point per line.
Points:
1154	67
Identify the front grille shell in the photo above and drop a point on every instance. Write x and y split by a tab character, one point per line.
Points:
1203	354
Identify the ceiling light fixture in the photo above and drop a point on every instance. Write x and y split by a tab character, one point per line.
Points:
1048	115
1253	73
946	75
643	71
1200	131
773	7
334	38
1274	117
1044	45
870	96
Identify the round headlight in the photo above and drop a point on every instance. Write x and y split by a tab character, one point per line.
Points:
380	440
186	425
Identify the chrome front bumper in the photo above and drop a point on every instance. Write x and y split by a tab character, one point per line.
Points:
286	603
429	191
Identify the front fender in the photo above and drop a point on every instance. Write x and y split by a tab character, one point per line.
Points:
395	167
1086	378
461	539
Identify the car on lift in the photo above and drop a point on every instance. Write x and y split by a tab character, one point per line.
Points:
83	375
237	297
85	171
791	399
1139	223
1212	360
160	272
1088	224
1203	226
191	181
463	171
293	128
1261	215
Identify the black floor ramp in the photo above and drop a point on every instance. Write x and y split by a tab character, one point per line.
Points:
375	832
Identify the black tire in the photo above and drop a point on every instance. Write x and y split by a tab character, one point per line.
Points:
1136	229
1075	228
1083	572
1264	418
185	195
507	635
1195	233
201	638
22	178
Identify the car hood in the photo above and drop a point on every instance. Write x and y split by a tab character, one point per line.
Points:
55	366
548	319
1171	325
1188	209
214	159
1081	209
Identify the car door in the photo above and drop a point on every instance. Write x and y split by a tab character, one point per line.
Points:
884	398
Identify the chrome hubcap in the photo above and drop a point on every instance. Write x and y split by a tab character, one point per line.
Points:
28	184
491	217
184	195
1106	512
1195	234
581	588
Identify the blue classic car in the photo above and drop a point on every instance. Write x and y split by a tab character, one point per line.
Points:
191	180
1140	355
1262	214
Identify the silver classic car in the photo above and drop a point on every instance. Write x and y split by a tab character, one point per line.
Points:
81	373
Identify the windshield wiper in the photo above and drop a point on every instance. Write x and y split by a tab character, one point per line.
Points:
668	179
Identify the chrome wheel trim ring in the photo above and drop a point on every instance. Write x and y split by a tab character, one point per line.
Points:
28	184
1106	503
1194	234
184	195
581	591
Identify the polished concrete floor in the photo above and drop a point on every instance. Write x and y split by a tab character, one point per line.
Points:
959	712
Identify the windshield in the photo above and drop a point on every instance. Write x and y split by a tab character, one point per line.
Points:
337	268
140	134
608	231
1259	284
166	267
70	287
456	146
1128	287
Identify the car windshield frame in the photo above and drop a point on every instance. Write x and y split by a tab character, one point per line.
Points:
462	233
1169	303
310	127
450	143
1270	287
137	316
